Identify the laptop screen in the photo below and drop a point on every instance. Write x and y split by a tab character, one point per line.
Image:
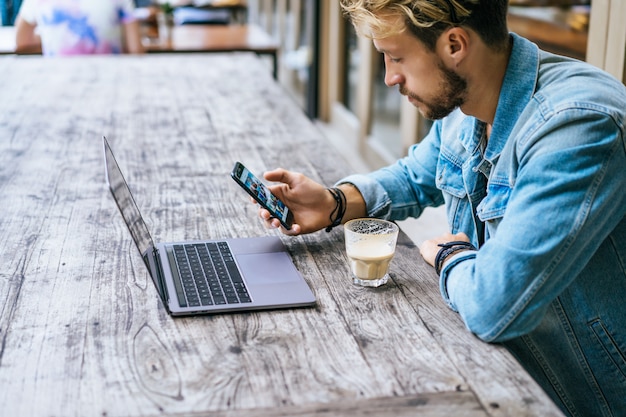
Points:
126	202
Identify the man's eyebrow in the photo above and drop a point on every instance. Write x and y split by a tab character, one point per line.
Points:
386	50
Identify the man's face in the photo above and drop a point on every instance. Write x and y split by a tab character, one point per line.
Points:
421	75
451	95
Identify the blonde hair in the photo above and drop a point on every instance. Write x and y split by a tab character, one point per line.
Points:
368	15
427	19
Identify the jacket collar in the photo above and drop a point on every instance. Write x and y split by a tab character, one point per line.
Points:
517	90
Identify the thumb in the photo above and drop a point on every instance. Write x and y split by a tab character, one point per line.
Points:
278	175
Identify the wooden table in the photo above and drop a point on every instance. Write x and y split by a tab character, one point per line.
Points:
214	38
83	332
189	39
552	37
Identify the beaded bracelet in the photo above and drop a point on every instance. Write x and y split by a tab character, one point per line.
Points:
449	249
340	208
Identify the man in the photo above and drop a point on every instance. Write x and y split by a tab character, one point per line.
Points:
527	152
77	27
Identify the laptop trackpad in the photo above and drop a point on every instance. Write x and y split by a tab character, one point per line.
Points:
267	268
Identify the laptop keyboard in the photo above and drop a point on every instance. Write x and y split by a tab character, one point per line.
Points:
209	275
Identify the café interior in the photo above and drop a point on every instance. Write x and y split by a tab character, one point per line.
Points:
355	354
337	78
320	59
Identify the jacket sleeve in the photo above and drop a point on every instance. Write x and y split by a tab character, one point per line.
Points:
566	195
405	188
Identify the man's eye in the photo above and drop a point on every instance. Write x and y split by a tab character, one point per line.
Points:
390	60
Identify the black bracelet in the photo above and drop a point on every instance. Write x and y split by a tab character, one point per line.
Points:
340	208
448	249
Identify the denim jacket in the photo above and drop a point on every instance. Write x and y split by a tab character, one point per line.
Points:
545	203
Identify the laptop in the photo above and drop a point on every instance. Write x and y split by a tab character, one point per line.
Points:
211	276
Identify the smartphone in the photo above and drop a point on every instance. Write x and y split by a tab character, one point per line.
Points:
259	191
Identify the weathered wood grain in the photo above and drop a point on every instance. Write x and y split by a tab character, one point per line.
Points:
458	404
82	330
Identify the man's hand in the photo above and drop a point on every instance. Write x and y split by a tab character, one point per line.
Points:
309	201
429	248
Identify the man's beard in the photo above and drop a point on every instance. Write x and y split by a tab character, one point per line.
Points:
454	91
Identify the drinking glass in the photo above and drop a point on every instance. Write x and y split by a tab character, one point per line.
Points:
370	245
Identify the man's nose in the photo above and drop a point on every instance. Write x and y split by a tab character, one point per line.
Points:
392	78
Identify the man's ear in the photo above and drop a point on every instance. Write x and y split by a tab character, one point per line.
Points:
453	45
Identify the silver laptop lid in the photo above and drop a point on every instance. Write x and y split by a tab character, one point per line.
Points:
125	202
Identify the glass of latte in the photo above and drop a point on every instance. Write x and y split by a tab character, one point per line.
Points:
370	245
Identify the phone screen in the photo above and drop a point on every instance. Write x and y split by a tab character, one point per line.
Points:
262	194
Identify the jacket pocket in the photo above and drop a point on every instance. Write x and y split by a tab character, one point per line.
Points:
495	202
450	177
610	347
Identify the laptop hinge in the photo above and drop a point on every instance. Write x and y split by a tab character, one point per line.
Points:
159	279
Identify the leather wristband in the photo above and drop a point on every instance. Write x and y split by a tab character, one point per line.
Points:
448	249
340	208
